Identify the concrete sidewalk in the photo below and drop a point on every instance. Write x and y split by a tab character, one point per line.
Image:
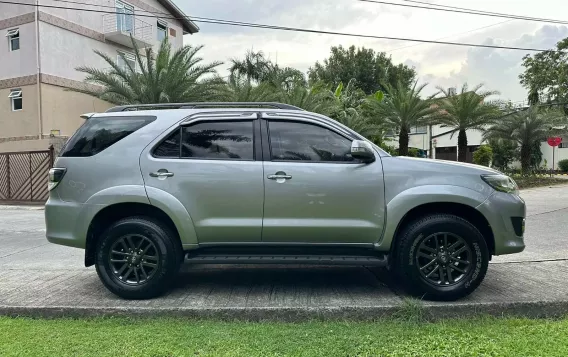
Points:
282	292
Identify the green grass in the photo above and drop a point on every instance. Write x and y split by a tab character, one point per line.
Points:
178	337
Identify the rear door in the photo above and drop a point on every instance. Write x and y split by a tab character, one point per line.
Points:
315	192
210	166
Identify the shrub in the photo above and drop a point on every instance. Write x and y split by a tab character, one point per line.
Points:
563	165
483	155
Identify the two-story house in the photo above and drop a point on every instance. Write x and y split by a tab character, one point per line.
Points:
45	40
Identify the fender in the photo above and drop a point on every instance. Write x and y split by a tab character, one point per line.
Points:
413	197
150	196
177	212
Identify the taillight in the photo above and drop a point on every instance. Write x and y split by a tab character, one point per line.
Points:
55	177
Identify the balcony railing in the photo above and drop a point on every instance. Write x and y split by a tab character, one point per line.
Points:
118	28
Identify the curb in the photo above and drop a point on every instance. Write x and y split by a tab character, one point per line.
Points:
22	208
429	311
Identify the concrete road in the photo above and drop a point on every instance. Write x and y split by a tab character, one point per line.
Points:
36	274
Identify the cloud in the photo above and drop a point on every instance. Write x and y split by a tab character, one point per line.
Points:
497	69
441	65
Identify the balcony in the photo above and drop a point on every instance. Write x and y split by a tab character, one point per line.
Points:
118	28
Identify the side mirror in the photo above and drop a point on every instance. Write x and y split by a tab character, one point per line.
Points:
363	151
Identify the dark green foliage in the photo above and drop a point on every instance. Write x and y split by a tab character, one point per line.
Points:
563	165
483	155
372	70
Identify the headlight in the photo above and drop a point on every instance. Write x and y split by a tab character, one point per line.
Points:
501	183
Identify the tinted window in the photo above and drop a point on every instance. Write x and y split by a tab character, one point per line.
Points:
170	146
97	134
306	142
218	140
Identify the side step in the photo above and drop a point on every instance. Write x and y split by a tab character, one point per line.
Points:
286	259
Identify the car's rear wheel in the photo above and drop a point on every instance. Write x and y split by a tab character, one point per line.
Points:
441	257
137	258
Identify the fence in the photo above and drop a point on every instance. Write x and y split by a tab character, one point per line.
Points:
23	176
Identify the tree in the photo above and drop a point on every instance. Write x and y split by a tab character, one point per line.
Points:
546	75
348	111
317	99
372	70
402	109
467	110
528	128
238	89
483	155
162	78
254	66
504	152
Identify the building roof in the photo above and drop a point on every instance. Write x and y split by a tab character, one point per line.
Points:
188	25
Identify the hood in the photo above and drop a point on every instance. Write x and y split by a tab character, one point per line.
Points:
452	166
402	173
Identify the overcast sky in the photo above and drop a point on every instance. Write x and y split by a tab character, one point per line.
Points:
439	65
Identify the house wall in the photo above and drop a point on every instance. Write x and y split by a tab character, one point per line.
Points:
22	62
559	154
62	109
8	11
22	122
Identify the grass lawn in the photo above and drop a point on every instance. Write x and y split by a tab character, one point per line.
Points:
177	337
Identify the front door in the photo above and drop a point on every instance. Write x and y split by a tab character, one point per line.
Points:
210	167
315	192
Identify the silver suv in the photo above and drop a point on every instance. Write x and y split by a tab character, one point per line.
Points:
144	188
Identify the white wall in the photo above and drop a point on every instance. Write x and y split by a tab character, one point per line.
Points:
559	154
95	21
22	62
10	10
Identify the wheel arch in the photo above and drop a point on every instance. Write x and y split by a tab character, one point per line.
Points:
115	212
419	201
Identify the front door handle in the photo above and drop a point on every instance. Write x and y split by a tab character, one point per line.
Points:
279	176
161	174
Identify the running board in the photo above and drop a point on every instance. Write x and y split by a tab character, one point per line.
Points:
286	259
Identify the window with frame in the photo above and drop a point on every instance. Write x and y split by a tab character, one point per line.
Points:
211	140
124	59
296	141
13	36
419	129
563	144
162	30
16	99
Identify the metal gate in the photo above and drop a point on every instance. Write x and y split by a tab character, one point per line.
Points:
23	176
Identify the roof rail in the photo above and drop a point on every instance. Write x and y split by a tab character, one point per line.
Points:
124	108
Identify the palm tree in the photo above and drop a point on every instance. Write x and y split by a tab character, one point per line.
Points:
162	78
254	66
401	110
467	110
528	128
317	99
239	89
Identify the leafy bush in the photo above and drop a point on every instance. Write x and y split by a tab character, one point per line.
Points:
483	155
504	153
413	152
563	165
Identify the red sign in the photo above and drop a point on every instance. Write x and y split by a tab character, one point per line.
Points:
554	141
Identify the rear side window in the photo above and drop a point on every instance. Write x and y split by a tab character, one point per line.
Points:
226	140
97	134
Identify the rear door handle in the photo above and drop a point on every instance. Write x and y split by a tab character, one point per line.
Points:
279	177
161	174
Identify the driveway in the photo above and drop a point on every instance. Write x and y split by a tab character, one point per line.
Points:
41	278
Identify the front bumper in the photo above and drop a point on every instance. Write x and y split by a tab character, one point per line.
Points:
505	213
67	223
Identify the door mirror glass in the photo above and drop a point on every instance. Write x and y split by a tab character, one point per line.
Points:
362	150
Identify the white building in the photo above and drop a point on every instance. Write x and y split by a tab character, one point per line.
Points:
445	141
46	42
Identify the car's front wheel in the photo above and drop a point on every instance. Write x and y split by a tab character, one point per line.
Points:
137	258
441	257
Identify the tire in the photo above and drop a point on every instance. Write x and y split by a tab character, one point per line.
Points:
428	270
150	269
